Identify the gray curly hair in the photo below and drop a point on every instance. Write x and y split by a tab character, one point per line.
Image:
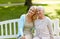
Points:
40	8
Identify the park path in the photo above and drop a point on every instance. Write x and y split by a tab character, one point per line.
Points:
13	4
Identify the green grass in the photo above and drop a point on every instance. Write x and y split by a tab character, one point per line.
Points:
8	29
11	12
11	1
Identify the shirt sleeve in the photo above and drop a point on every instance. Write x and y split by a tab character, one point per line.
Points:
50	27
21	25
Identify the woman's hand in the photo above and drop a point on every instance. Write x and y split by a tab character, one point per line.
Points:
51	37
23	37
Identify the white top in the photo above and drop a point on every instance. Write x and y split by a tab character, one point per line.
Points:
28	27
43	27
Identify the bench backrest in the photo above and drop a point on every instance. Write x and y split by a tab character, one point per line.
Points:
9	28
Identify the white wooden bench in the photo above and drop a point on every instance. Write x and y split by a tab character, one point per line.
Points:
9	28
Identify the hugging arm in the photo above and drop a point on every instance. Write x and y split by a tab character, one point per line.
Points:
21	26
50	27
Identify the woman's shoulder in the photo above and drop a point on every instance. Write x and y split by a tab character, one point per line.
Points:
23	15
48	19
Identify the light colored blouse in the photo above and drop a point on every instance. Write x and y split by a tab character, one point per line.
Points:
43	27
24	27
21	25
28	27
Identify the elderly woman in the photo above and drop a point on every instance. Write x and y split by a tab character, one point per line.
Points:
43	25
26	24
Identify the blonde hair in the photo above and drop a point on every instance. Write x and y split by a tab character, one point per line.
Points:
34	16
32	7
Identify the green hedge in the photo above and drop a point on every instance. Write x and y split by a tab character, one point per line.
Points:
11	12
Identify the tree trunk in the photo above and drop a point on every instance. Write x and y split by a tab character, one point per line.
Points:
28	3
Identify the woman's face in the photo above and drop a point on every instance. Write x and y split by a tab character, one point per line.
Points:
40	13
32	11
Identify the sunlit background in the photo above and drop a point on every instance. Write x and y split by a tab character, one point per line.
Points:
13	9
52	9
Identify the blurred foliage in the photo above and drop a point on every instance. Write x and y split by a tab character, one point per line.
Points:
11	12
41	4
52	16
58	13
11	1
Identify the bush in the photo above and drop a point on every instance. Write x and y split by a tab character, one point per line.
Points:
11	12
